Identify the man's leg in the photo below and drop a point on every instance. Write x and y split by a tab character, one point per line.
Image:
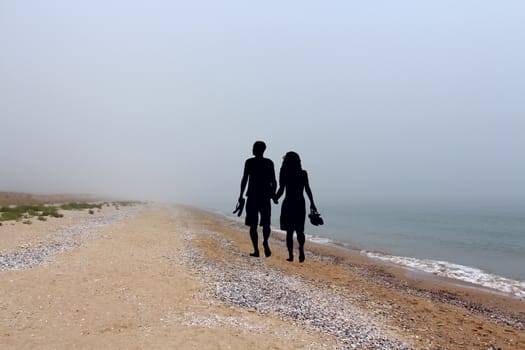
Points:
266	209
252	219
255	240
266	235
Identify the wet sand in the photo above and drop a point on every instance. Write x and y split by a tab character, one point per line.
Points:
167	277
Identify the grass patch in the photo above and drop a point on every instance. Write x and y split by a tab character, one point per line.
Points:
16	213
125	203
25	212
119	204
51	211
80	206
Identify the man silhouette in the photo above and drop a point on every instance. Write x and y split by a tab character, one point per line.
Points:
259	174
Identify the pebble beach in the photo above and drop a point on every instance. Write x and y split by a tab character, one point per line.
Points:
155	276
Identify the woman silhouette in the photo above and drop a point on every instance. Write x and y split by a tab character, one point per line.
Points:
293	213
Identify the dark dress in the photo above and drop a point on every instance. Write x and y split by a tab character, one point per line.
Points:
293	210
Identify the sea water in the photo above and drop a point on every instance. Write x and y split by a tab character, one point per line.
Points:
478	242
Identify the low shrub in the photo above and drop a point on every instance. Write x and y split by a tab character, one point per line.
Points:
80	206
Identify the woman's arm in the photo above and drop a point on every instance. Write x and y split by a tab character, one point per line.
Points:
309	191
279	193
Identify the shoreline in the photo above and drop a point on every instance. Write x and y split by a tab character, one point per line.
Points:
449	305
426	272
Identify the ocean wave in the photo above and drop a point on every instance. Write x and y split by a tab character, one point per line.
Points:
445	269
318	239
455	271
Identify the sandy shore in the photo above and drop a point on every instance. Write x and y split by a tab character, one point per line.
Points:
179	278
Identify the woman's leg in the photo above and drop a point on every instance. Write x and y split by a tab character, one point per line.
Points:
289	244
301	239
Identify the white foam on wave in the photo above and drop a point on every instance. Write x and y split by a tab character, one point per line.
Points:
319	239
459	272
311	238
438	268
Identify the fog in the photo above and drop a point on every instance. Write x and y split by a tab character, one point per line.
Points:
162	100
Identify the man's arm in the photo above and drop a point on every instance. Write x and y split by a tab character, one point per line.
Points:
244	179
273	181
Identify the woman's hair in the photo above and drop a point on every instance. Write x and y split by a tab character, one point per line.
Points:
291	167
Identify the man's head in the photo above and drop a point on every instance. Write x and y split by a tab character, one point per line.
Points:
258	148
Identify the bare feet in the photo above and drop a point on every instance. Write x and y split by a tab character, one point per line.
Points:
301	255
267	250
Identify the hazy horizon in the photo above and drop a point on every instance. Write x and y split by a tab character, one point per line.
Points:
162	100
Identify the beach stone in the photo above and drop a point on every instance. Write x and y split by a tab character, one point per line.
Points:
67	236
251	284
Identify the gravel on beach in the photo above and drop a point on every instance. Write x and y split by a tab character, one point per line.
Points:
250	283
66	237
258	293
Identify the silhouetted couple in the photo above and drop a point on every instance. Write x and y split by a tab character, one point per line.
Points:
259	175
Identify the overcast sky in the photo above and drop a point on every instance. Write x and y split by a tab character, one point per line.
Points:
383	100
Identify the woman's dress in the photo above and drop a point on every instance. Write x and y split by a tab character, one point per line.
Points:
293	210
